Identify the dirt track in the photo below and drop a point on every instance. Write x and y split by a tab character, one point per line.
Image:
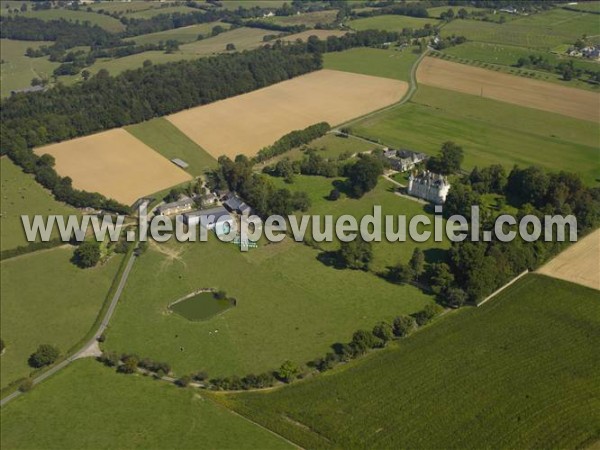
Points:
246	123
116	164
579	264
509	88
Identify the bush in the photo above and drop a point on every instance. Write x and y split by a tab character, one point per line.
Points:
87	254
288	371
130	364
184	381
200	376
26	385
383	331
363	340
404	325
110	359
44	355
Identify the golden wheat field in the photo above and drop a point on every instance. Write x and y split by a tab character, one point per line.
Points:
246	123
580	263
510	88
115	164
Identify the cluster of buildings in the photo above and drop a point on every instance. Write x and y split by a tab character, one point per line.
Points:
590	51
219	216
404	160
421	184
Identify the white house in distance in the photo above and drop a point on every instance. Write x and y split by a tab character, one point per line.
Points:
429	186
217	219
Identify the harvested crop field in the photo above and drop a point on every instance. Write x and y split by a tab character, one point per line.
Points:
579	264
511	89
115	164
321	34
246	123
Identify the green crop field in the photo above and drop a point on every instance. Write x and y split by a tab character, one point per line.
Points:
167	140
17	70
122	7
89	406
490	132
289	306
183	35
542	30
518	372
372	61
22	195
391	23
108	23
46	299
385	253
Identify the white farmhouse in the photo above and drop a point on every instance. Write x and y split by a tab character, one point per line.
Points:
429	186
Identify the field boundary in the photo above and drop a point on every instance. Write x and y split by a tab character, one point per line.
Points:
497	291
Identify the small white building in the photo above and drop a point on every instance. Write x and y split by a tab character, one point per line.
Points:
429	186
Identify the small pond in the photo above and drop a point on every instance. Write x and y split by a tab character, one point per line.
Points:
201	306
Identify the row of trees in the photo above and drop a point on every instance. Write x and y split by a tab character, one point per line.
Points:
292	140
566	69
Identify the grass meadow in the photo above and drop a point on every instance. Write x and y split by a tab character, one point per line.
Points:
46	299
17	70
184	35
373	61
490	132
89	406
309	19
167	140
107	22
242	38
22	195
519	371
289	306
391	23
151	12
543	30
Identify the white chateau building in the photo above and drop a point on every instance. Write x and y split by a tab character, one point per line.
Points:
429	186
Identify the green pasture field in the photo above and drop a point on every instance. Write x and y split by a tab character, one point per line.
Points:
122	7
391	23
46	299
490	132
242	38
235	4
310	19
587	6
183	35
89	406
289	306
166	139
519	371
22	195
389	63
438	10
543	30
17	70
151	12
108	23
330	146
385	254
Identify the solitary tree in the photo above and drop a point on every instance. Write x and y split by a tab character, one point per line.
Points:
87	254
363	175
44	355
230	47
356	254
288	371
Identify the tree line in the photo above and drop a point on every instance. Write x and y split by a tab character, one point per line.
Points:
292	140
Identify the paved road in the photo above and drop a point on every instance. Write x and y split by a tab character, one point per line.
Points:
101	329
